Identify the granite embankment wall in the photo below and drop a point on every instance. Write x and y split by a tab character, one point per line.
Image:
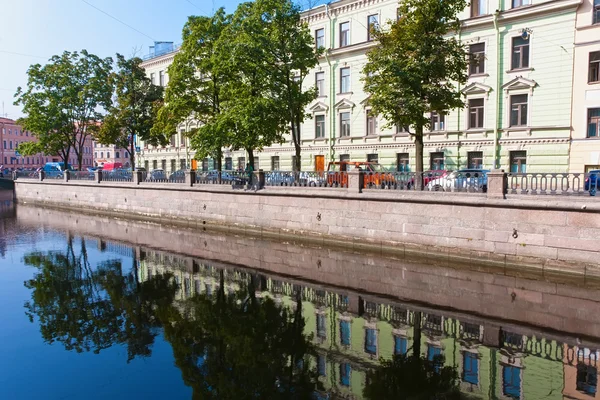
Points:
463	291
549	232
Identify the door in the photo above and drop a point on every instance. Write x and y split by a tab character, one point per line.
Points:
319	163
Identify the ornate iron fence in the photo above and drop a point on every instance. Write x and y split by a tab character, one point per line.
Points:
321	179
223	178
553	183
81	176
117	176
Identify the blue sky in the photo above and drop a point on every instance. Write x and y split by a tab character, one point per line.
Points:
38	29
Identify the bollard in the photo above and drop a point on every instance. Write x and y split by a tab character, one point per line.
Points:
42	175
137	177
261	179
67	175
190	177
98	175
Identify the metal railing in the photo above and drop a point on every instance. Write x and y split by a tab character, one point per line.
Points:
457	181
552	183
161	176
223	178
389	180
117	176
26	174
81	175
322	179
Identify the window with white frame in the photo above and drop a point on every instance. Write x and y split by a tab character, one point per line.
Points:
161	78
520	3
476	110
275	163
371	123
344	124
475	159
520	52
594	67
593	123
478	7
344	34
319	126
438	121
596	11
320	38
345	80
518	110
320	83
153	78
477	59
372	26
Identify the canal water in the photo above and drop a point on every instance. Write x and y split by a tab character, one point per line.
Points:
95	307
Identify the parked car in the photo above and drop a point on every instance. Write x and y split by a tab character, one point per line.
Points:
177	176
429	176
279	178
592	181
156	175
463	179
375	174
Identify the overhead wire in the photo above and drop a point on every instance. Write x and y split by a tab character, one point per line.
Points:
118	20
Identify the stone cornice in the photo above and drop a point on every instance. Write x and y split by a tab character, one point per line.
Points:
163	59
335	9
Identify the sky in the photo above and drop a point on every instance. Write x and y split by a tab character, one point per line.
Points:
31	31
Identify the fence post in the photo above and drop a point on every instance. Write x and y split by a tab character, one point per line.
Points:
497	184
67	175
356	180
42	175
190	177
98	175
261	179
137	177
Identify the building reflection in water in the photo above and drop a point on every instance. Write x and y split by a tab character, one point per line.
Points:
348	332
352	332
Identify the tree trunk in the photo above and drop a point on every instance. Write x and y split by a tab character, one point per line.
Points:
417	335
250	158
419	157
132	155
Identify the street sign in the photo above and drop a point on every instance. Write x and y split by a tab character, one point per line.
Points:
137	149
17	153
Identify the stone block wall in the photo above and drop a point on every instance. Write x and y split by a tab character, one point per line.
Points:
546	232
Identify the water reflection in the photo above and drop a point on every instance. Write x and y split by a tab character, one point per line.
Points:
237	334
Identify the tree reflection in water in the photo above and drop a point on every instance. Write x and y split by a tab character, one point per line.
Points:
227	345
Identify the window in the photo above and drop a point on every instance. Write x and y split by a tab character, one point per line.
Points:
344	124
173	165
520	53
320	83
228	163
594	67
596	11
511	381
344	157
593	123
275	163
182	164
294	164
345	371
117	155
345	80
154	164
321	366
345	333
146	165
107	154
520	3
153	78
320	38
518	162
344	34
470	368
438	121
101	154
321	326
436	161
400	345
256	163
401	129
319	126
163	164
477	59
10	143
475	113
518	110
241	163
433	352
373	158
587	379
478	7
161	78
5	144
372	25
475	159
402	162
371	124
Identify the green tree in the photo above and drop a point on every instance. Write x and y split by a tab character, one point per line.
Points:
196	80
63	103
288	55
416	67
411	377
134	113
255	117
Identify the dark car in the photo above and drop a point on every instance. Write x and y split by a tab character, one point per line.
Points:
177	176
156	175
591	182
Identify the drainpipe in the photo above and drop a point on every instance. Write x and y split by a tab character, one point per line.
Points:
498	91
458	120
332	116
